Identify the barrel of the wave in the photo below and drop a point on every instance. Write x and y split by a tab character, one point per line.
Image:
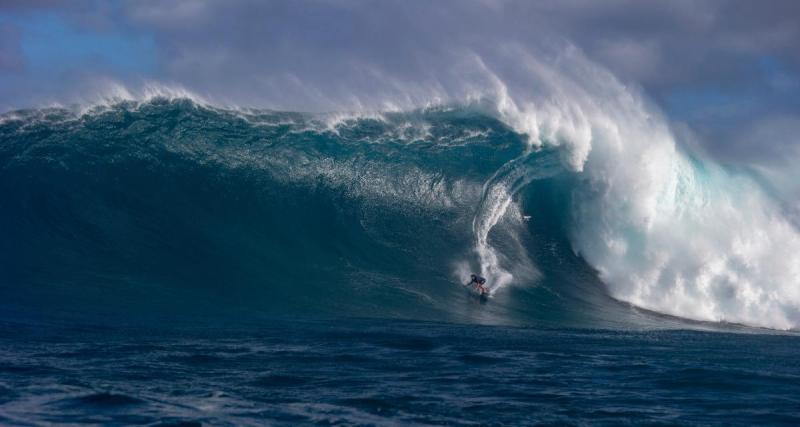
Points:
498	195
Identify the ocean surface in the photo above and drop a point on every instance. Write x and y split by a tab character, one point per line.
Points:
378	372
166	262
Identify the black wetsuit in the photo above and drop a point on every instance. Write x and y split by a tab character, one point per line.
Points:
477	279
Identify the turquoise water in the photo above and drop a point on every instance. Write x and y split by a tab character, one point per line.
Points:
165	262
138	209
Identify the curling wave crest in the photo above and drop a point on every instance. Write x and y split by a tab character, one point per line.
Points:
544	186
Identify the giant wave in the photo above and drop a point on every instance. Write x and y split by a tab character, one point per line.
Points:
578	204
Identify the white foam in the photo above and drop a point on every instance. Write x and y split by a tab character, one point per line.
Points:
108	93
666	231
497	199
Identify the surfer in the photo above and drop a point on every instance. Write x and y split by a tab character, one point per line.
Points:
478	283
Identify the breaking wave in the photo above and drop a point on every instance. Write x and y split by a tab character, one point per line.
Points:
574	202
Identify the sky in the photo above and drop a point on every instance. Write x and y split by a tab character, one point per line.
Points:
727	70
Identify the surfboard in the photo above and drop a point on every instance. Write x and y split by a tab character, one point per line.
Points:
475	293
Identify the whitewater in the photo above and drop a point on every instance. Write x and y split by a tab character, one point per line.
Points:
388	211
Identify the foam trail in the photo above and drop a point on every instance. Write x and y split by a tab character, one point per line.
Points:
498	194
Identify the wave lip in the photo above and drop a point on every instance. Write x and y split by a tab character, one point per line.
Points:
402	197
666	228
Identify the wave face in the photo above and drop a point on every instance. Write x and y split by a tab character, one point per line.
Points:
171	206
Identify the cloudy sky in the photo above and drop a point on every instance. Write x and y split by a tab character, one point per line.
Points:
728	70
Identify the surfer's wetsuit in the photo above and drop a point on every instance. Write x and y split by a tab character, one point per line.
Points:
478	281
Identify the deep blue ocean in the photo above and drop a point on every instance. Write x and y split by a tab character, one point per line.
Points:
169	263
378	372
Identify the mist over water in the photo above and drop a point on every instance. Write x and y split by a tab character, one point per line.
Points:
159	193
567	206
